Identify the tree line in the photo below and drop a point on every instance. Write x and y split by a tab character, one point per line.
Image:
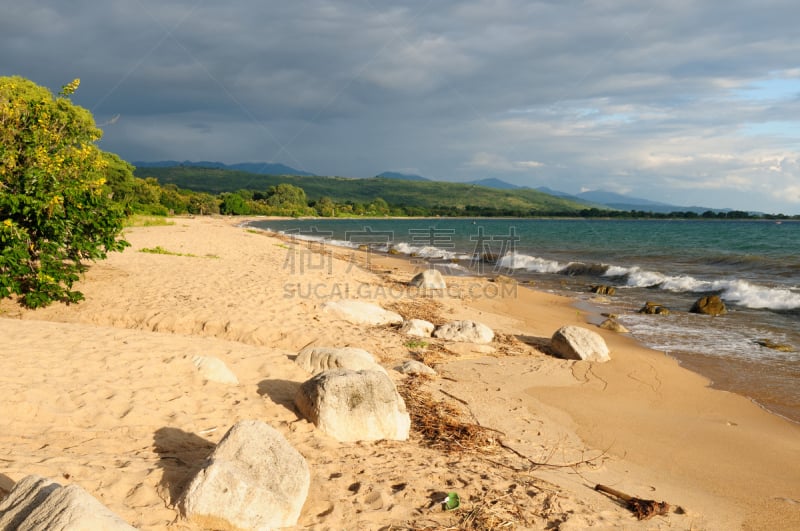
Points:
147	196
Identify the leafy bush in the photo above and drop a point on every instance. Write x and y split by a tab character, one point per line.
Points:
56	210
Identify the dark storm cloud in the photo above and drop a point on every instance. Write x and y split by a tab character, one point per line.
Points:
631	96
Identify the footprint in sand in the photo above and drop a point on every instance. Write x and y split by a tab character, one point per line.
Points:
376	501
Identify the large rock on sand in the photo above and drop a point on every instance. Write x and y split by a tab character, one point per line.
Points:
576	343
318	359
709	305
354	405
465	332
417	328
360	312
254	479
39	504
428	279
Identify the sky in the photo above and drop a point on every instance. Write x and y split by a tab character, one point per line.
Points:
684	102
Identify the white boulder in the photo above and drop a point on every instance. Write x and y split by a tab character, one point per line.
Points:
360	312
577	343
415	367
318	359
40	504
417	328
254	479
428	279
354	405
214	370
465	332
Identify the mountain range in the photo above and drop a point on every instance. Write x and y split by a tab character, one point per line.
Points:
592	198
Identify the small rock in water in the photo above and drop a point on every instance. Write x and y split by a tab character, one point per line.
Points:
614	326
709	305
653	308
781	347
602	289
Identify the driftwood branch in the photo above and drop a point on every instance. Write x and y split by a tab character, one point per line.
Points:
535	463
642	509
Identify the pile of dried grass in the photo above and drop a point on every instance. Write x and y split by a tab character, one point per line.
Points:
419	308
440	423
512	508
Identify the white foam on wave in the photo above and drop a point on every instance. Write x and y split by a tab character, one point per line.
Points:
530	263
427	251
642	278
754	296
738	291
691	333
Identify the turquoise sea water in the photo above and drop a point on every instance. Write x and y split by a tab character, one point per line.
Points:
753	265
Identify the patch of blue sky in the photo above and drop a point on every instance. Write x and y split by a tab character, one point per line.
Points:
774	89
787	129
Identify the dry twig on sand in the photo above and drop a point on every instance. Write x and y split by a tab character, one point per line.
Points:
642	509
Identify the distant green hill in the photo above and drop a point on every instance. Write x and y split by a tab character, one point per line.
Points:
425	194
402	176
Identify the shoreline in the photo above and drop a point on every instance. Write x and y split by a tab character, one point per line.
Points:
697	361
598	310
651	427
699	383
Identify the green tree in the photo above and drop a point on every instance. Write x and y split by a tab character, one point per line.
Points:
232	203
203	204
174	200
120	179
378	207
325	207
56	211
288	200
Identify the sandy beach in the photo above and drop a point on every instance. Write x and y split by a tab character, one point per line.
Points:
104	394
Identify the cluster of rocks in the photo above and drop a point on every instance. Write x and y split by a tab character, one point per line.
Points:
706	305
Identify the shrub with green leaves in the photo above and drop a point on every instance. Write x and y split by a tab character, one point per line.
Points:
56	211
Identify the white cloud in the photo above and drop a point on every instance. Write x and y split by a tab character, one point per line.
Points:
529	164
637	96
